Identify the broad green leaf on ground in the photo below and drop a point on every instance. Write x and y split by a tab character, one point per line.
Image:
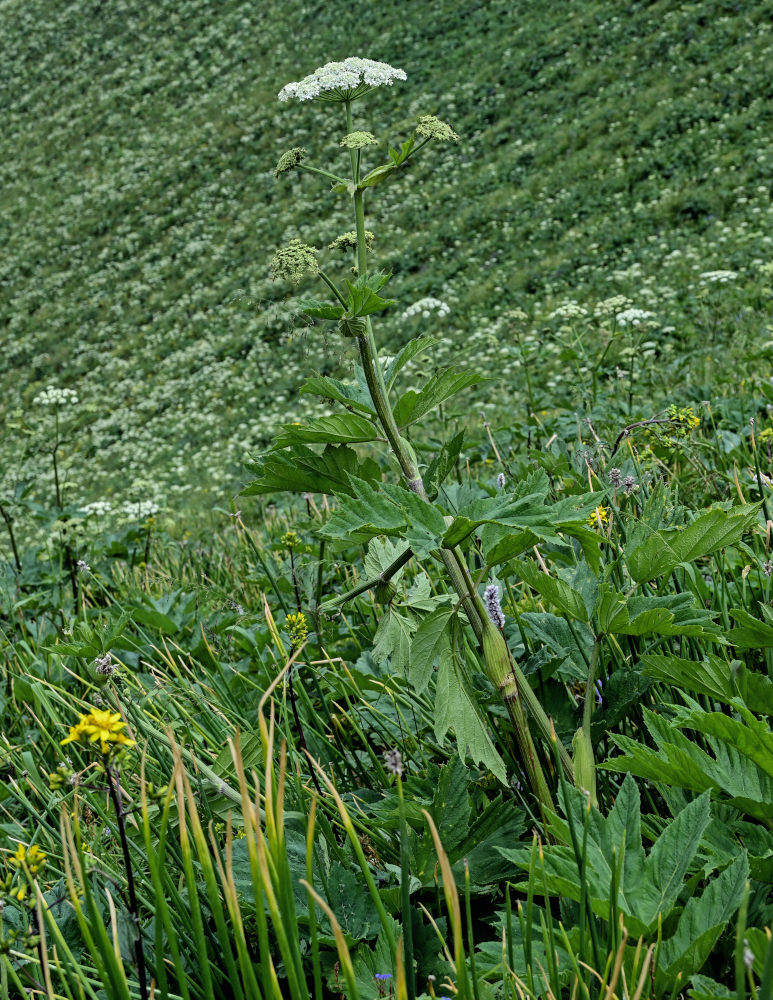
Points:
702	921
708	533
750	736
750	633
301	470
709	676
442	386
674	614
649	886
351	394
341	428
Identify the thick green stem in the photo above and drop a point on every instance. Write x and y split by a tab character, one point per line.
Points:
452	560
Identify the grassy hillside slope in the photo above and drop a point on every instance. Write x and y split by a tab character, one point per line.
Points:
607	148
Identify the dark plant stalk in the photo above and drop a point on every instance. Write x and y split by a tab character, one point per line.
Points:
9	527
115	795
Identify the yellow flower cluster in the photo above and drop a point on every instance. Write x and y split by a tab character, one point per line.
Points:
297	629
100	726
32	857
599	518
685	416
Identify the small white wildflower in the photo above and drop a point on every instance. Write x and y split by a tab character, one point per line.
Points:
97	507
358	140
493	605
104	665
501	480
393	760
140	509
82	566
612	306
342	81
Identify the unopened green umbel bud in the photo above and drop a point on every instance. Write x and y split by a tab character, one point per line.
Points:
499	668
385	591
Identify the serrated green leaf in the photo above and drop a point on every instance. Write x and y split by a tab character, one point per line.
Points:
321	310
709	676
301	470
359	518
751	633
700	925
664	550
380	555
442	386
340	428
404	355
425	523
431	643
443	464
393	640
555	591
352	394
456	707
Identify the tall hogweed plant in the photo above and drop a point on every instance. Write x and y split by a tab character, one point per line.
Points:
458	631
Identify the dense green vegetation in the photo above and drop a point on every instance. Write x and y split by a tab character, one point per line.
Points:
368	664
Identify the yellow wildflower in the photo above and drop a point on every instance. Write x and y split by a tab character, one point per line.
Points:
599	518
100	726
297	629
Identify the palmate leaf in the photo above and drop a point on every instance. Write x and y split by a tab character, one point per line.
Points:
299	469
392	510
674	614
709	676
679	761
431	643
442	386
664	550
393	640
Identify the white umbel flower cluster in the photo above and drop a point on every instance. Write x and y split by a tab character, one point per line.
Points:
425	307
53	396
568	310
633	316
342	81
717	277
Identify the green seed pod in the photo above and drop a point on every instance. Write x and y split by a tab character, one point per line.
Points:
498	665
584	764
385	591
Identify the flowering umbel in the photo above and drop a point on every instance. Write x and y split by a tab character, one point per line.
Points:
103	727
342	81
